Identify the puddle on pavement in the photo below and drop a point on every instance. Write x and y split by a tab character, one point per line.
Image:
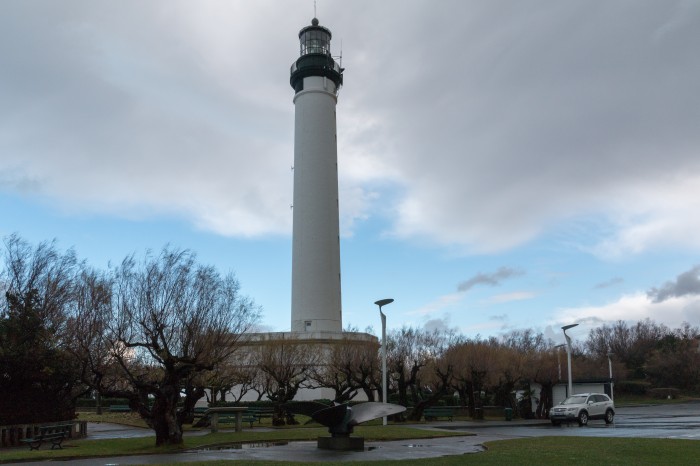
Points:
242	446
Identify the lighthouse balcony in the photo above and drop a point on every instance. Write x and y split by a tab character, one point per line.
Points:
315	64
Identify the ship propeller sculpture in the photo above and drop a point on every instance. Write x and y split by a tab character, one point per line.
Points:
341	420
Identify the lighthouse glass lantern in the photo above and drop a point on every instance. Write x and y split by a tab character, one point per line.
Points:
315	57
315	39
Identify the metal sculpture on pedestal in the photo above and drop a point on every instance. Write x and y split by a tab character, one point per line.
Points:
341	419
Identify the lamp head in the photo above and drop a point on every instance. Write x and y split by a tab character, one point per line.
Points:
384	302
567	327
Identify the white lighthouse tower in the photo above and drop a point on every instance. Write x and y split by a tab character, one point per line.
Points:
316	79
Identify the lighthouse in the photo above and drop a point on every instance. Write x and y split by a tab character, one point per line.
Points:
316	78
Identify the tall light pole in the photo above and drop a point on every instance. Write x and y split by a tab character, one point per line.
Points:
559	359
380	303
611	379
568	356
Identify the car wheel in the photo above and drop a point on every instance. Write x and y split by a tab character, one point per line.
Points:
582	418
555	423
609	416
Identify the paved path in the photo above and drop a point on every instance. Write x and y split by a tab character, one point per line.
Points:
304	452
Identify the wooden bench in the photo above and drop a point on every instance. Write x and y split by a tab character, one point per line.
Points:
119	409
435	412
54	434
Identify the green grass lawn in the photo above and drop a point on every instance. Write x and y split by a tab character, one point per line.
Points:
146	445
535	451
545	451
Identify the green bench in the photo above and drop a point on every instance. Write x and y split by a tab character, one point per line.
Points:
53	433
119	409
435	412
249	418
258	413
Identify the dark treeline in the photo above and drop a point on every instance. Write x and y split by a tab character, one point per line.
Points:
164	331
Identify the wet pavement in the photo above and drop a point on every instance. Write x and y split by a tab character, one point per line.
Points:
662	421
680	421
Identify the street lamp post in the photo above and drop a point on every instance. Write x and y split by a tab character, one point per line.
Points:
380	303
568	356
611	379
559	359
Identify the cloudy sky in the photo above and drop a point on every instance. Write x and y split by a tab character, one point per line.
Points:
503	165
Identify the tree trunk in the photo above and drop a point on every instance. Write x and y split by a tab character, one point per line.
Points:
369	393
471	399
545	401
420	406
165	423
98	401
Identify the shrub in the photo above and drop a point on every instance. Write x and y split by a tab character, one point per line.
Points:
632	387
664	393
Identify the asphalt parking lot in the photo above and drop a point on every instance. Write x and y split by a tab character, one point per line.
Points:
657	421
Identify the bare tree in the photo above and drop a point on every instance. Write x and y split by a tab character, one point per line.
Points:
170	320
676	360
284	364
88	326
406	356
437	378
519	350
543	367
475	365
239	375
45	272
349	365
631	344
418	367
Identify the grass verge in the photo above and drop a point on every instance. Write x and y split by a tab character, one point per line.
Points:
543	451
86	448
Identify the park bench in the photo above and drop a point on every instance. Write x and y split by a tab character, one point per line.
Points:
435	412
201	415
249	418
119	409
53	433
259	412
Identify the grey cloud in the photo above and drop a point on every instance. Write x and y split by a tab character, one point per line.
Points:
438	324
492	279
544	123
609	283
513	117
499	318
687	283
124	113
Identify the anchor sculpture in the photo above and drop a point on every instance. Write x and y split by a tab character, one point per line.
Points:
341	420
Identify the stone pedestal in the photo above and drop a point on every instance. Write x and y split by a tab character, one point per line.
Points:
342	443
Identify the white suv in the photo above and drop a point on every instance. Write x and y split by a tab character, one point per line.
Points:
582	407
